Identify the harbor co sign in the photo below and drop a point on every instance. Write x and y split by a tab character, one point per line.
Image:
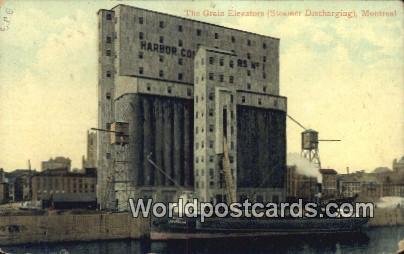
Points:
174	51
165	49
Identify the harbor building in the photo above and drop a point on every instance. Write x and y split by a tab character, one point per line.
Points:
162	114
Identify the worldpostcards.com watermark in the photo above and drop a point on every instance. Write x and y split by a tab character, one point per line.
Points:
203	210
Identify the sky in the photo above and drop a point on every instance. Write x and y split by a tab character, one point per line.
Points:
343	76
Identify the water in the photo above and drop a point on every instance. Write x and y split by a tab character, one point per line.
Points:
375	240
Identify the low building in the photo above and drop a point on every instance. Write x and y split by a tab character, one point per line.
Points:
57	163
4	192
19	184
398	165
62	201
329	182
50	182
299	185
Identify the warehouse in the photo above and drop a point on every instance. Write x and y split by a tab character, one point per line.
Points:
154	88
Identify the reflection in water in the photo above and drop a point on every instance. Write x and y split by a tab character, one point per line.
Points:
376	240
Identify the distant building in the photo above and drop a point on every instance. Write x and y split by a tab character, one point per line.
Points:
90	161
4	194
19	185
57	163
398	165
371	186
49	182
329	182
300	186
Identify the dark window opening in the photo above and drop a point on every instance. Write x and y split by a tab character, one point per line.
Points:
108	74
109	16
211	76
179	43
109	39
231	79
141	35
140	70
180	61
179	28
140	55
140	20
211	60
161	39
161	24
221	61
198	32
179	76
161	74
216	36
233	39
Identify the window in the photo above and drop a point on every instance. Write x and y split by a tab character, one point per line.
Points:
264	45
108	52
179	76
248	73
140	70
211	183
211	158
211	76
140	55
161	39
264	76
243	99
211	146
161	24
141	35
179	28
221	78
249	42
169	90
108	156
196	114
231	79
233	39
216	36
180	61
248	55
198	32
161	58
140	20
148	87
264	89
202	146
189	92
108	96
264	59
109	39
179	43
211	112
211	96
221	61
248	86
259	101
231	63
161	74
108	74
211	128
211	60
109	16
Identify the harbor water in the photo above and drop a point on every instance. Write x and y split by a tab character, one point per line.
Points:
371	240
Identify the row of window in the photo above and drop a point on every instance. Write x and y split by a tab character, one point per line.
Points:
180	29
231	158
198	32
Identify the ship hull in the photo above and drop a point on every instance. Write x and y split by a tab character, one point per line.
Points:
192	228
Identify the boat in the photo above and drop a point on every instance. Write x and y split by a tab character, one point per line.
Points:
214	227
188	227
